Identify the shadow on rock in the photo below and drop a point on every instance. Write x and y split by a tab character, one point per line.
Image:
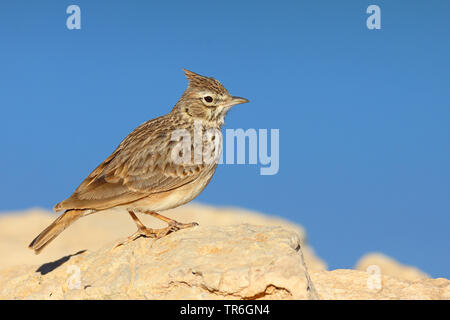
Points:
50	266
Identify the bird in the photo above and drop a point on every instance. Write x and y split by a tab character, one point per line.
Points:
153	169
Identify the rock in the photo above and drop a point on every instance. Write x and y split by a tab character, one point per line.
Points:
354	284
389	267
206	262
95	231
233	254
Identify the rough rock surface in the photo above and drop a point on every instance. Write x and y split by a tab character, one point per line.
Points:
95	231
229	262
354	284
233	254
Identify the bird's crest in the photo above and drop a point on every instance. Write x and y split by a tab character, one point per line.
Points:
197	81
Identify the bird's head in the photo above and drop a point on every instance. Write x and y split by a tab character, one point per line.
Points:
206	99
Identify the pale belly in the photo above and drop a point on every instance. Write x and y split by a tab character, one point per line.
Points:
171	199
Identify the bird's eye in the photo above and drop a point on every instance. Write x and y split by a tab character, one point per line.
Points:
208	99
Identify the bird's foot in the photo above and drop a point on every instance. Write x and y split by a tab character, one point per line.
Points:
156	233
175	225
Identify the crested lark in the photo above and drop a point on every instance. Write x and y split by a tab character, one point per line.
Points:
144	174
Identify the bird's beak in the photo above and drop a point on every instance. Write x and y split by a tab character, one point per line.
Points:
238	100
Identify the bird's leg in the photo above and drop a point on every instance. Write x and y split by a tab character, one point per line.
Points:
142	231
173	225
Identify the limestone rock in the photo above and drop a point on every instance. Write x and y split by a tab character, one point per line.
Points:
353	284
390	267
229	262
233	254
17	229
207	262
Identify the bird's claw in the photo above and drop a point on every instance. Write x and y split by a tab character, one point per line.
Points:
156	233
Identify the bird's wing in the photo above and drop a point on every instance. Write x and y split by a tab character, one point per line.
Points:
140	166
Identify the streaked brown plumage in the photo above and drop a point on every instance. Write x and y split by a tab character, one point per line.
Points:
141	174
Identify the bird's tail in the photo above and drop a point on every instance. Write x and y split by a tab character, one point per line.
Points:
53	230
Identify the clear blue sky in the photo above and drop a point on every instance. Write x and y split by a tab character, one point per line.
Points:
364	116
